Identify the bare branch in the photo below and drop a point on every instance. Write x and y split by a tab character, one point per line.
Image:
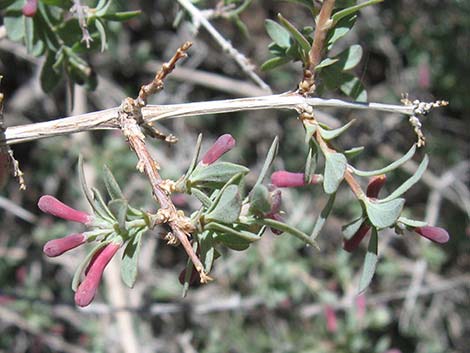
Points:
240	59
133	125
307	86
107	119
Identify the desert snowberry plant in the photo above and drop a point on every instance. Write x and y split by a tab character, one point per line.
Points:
233	211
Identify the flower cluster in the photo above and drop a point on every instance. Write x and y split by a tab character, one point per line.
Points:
435	234
87	289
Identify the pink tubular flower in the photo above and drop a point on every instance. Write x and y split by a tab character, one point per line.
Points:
352	243
49	204
87	289
331	322
285	179
30	8
435	234
57	247
194	279
375	185
222	145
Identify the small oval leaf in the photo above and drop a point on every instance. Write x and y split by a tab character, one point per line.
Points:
384	214
335	167
228	207
278	34
216	174
260	200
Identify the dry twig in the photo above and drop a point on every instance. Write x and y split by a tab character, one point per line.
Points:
130	121
240	59
307	85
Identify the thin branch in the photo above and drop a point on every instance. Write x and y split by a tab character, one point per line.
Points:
323	24
18	211
107	119
211	80
240	59
132	125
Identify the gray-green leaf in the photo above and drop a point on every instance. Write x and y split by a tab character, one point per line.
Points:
228	207
409	182
370	262
321	219
260	199
216	174
278	34
111	184
331	134
390	167
130	258
272	153
384	214
350	10
303	42
335	167
118	208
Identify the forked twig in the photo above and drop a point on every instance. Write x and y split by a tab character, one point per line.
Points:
130	122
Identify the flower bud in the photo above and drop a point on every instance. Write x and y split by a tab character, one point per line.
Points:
375	185
49	204
57	247
352	243
222	145
435	234
194	279
30	8
276	201
87	289
285	179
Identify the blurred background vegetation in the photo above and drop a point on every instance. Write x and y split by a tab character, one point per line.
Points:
277	296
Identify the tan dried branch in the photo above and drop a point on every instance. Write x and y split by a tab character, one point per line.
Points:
108	119
129	120
157	83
